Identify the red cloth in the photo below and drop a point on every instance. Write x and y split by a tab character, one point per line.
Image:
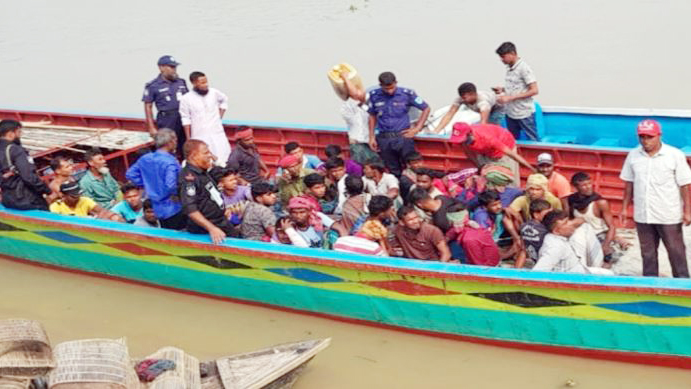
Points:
649	127
488	140
479	246
288	161
245	134
310	204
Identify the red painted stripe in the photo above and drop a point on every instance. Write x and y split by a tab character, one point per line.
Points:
352	265
674	361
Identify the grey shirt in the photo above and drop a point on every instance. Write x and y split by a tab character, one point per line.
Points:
518	77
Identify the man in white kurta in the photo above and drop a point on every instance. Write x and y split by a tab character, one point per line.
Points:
201	111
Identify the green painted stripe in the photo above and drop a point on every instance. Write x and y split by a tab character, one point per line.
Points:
493	324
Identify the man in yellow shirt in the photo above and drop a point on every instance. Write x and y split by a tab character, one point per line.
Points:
72	203
535	188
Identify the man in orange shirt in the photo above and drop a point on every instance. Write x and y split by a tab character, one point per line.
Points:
558	185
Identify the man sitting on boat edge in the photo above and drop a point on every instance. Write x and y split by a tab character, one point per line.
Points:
74	204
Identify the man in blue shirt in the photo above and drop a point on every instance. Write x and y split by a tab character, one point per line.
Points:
165	91
157	173
388	109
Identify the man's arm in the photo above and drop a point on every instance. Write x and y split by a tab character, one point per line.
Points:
687	203
444	251
186	117
447	118
102	213
222	104
550	255
628	196
411	132
372	138
149	114
484	116
217	235
517	157
532	91
606	214
27	171
354	92
134	175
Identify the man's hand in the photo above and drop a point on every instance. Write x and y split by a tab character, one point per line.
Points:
373	144
498	89
622	217
504	99
607	248
409	133
687	218
344	74
286	224
217	235
152	130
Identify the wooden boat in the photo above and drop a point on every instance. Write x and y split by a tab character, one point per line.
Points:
633	319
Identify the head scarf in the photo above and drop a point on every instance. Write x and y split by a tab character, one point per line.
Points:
310	205
537	180
373	230
497	175
244	134
462	175
288	161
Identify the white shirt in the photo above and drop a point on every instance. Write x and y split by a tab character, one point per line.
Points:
388	181
518	77
202	113
357	121
342	197
586	246
656	182
556	254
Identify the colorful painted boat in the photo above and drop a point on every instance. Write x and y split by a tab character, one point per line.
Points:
641	320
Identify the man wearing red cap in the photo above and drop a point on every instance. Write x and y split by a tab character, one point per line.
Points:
291	184
489	144
657	178
246	159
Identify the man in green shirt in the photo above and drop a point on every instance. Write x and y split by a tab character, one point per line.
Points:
290	183
97	183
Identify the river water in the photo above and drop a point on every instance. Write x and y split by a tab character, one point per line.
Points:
271	58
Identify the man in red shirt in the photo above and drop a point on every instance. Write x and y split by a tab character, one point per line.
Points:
489	144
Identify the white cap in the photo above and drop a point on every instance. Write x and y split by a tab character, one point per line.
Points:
545	158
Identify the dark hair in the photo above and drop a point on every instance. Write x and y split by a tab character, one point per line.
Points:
147	204
9	125
354	185
280	220
194	76
539	205
332	151
466	87
94	151
404	210
227	171
418	194
128	186
56	162
379	204
579	177
488	196
313	179
414	156
261	188
423	171
333	163
550	220
506	48
290	146
191	145
387	78
376	164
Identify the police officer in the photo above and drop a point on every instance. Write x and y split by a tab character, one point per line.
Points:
165	91
388	109
21	186
200	198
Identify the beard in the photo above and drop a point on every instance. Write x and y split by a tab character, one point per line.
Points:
202	92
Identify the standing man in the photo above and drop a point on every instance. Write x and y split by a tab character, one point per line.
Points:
201	112
165	91
21	186
199	195
388	113
519	88
657	178
482	102
354	112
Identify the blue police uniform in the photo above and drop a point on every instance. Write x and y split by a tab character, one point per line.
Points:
166	95
391	112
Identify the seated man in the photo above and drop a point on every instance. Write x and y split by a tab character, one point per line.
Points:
594	209
483	102
21	187
130	208
536	188
414	238
307	221
258	220
315	188
246	159
533	231
413	161
286	233
63	169
235	197
558	185
425	179
370	240
356	203
351	167
290	183
439	208
148	218
556	253
308	161
379	182
501	222
157	173
97	183
74	204
202	203
336	174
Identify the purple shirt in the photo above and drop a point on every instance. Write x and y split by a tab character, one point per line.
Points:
243	192
352	167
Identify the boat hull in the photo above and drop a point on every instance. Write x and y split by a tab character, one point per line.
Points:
642	320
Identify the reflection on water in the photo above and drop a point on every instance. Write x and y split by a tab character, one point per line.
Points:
76	306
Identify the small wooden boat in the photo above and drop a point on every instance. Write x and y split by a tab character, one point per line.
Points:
633	319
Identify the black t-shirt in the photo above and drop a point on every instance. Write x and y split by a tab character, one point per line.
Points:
198	192
448	205
533	234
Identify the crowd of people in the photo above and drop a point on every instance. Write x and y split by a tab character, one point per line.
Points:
381	200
